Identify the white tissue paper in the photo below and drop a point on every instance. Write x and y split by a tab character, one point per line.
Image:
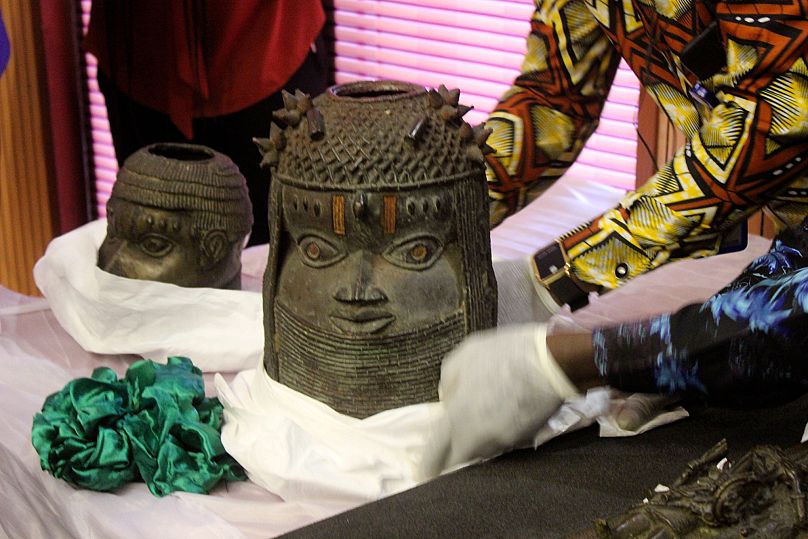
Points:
220	330
301	449
576	413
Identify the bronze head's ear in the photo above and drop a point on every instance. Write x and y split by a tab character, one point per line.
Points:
214	248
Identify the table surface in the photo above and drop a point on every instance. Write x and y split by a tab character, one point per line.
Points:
554	490
563	486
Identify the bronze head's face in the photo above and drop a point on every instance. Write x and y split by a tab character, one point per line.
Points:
362	264
379	254
160	245
178	214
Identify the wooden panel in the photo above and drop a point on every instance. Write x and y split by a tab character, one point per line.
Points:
669	139
26	215
648	122
761	224
658	139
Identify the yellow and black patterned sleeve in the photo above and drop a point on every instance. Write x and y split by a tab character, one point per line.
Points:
737	156
541	124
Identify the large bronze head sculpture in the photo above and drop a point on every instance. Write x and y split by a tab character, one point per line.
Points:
379	258
178	213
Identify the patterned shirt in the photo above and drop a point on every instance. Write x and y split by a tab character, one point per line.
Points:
749	150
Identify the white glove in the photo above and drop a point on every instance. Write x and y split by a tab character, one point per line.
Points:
498	388
522	298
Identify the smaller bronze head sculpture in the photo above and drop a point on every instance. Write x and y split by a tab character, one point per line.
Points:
178	214
379	256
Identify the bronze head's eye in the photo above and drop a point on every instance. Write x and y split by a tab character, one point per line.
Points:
155	245
417	253
313	251
319	252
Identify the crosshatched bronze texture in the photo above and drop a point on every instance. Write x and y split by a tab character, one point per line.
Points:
179	214
761	494
379	256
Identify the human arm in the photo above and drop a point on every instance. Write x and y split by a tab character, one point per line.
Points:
499	388
745	345
736	157
543	121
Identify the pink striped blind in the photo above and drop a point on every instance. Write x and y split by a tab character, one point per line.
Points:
477	46
105	164
474	45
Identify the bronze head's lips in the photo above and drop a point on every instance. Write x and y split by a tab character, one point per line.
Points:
353	321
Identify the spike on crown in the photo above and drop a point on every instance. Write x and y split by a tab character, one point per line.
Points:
294	108
270	147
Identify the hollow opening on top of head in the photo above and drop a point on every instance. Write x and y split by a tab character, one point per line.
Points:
181	152
376	90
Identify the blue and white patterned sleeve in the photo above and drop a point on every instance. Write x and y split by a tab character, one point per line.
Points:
746	345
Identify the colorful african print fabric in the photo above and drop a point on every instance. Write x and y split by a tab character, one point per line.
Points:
748	150
745	345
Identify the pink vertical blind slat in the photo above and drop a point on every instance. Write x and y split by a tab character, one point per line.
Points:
477	46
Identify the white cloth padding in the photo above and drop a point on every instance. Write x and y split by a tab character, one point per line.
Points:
220	330
301	449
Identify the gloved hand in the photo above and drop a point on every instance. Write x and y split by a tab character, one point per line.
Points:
498	388
522	298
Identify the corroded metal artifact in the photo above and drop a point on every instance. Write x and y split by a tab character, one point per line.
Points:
379	259
178	214
761	495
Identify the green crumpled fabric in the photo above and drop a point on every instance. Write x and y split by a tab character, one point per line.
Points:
154	425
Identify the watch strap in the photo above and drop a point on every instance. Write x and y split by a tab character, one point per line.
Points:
552	269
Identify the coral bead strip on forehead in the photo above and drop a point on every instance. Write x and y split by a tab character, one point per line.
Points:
389	215
389	211
338	214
